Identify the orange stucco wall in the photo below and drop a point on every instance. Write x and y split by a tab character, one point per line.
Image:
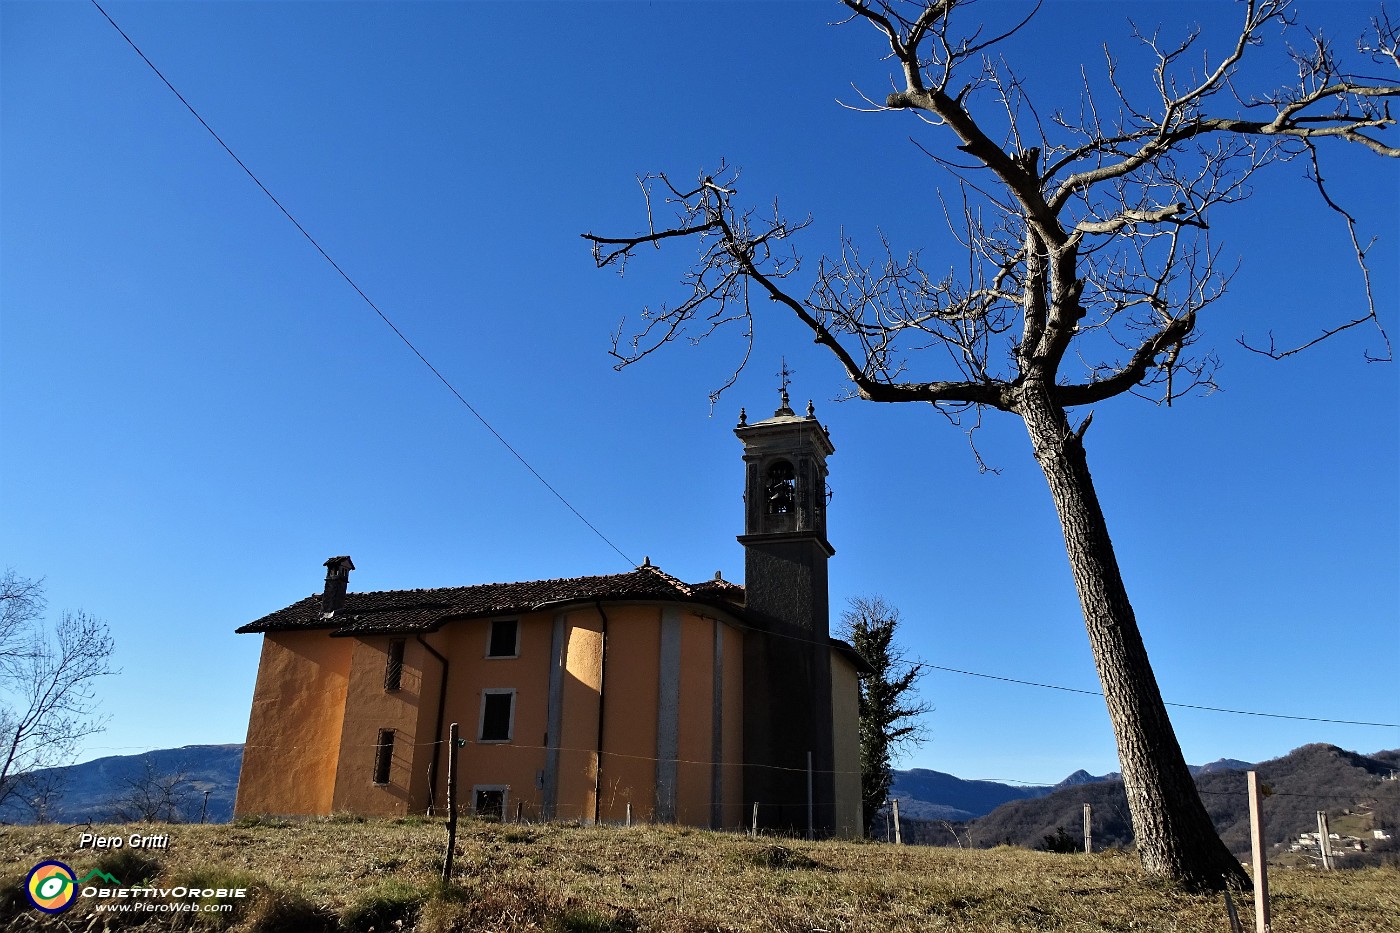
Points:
517	765
629	733
289	762
694	774
578	738
368	709
845	719
321	702
733	726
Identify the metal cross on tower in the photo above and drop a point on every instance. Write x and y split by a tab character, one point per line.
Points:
786	375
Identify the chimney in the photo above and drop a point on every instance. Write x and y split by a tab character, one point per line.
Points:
337	580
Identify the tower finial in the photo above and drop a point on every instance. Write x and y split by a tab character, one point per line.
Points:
785	375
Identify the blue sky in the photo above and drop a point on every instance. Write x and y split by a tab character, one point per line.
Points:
197	410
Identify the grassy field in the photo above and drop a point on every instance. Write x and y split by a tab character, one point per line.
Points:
351	875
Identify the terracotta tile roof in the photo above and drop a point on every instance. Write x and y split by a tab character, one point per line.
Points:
721	588
424	610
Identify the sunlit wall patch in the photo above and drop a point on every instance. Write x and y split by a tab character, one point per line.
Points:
51	887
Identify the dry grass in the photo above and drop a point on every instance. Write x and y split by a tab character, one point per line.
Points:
353	876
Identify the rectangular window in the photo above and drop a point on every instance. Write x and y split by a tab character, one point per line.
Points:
489	802
505	639
497	715
393	671
383	756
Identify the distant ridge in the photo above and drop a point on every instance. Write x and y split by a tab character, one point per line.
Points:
934	795
1222	764
1084	777
1355	788
91	791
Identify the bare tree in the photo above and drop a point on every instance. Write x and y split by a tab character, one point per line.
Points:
1086	263
46	683
889	714
22	605
154	796
41	794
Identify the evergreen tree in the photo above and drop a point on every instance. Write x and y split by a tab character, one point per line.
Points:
889	710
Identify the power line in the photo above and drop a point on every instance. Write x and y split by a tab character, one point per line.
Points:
1092	693
382	316
1213	709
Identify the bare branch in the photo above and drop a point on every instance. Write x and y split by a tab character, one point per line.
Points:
1095	265
1272	351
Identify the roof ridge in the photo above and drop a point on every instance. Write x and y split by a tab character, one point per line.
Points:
469	586
674	581
717	581
424	608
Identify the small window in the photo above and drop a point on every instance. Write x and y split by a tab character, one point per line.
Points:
489	802
393	671
781	488
497	715
505	639
383	756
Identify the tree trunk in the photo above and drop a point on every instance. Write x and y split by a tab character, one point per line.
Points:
1175	836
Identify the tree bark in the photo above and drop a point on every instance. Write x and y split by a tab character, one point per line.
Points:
1175	836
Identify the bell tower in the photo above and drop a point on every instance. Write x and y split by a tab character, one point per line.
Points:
784	539
787	653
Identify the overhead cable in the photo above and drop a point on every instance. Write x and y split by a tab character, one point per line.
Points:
382	316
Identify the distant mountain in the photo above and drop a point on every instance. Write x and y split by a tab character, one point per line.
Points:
934	795
1223	764
94	790
1308	779
1084	777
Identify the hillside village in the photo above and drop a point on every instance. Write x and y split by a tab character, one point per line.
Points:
1338	844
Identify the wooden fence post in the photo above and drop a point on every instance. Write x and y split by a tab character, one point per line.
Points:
451	804
898	836
753	827
629	813
1261	868
1088	828
1324	840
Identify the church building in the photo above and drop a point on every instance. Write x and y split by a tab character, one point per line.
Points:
585	698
